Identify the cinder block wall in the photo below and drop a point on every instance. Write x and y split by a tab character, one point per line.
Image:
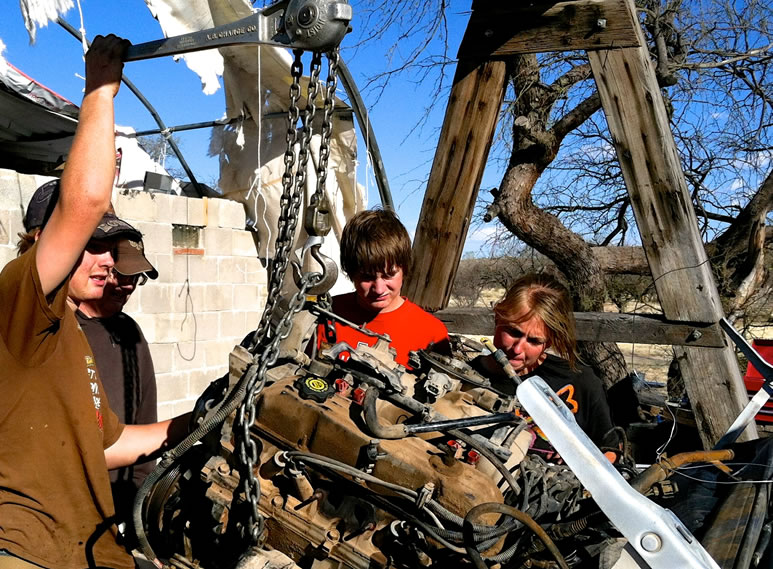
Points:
210	290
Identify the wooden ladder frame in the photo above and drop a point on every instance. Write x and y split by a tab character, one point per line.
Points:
610	33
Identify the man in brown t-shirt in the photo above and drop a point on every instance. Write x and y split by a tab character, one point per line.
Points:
59	436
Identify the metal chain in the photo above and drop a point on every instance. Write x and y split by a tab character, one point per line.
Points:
289	197
266	339
327	121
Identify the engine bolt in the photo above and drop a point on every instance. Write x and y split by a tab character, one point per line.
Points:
276	501
651	542
333	535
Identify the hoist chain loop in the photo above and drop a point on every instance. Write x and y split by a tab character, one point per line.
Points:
267	339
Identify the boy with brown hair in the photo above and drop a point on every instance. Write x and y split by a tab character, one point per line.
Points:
375	255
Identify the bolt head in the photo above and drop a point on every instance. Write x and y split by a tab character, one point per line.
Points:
651	542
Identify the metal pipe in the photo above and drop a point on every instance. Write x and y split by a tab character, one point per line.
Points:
660	471
225	122
75	33
440	426
368	134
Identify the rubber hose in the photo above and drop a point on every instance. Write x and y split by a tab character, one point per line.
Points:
169	458
522	517
388	432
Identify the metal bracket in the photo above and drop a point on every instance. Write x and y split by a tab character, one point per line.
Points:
312	25
655	533
760	398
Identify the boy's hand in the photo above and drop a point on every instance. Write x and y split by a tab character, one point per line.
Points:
104	63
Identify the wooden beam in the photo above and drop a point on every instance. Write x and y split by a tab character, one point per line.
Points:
503	29
600	327
465	139
648	158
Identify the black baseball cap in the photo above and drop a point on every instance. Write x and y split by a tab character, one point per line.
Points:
42	205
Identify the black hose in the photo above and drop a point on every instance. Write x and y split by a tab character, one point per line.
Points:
388	432
522	517
401	430
228	406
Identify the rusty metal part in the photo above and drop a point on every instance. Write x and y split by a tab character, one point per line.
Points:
328	429
663	469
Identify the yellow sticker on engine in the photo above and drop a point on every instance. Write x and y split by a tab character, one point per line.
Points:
316	384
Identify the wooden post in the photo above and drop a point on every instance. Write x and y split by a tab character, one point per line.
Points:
496	30
669	231
465	139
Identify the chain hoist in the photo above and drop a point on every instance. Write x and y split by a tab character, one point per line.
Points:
267	338
317	26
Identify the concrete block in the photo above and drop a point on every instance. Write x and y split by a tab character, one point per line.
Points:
173	386
6	237
196	211
217	352
187	298
226	213
163	264
201	378
7	254
244	244
219	297
147	322
246	297
206	325
17	189
132	306
231	270
162	357
166	411
157	237
255	271
136	205
155	298
175	408
233	323
174	327
188	356
163	206
9	190
15	226
178	210
253	319
195	268
217	241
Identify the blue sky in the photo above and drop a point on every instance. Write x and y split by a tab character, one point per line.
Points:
56	61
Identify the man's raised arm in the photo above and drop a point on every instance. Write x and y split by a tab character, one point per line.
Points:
87	180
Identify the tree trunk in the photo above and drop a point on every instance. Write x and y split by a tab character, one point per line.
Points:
570	253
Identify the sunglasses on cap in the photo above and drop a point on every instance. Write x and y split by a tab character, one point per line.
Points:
138	279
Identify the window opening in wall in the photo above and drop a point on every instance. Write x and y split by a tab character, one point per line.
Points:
186	240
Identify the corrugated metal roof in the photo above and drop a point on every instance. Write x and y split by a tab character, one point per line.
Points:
36	124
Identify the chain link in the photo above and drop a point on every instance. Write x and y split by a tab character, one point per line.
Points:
266	340
327	121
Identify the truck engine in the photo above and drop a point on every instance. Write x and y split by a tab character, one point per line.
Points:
361	463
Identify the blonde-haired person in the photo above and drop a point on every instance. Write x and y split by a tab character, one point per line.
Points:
536	316
375	255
